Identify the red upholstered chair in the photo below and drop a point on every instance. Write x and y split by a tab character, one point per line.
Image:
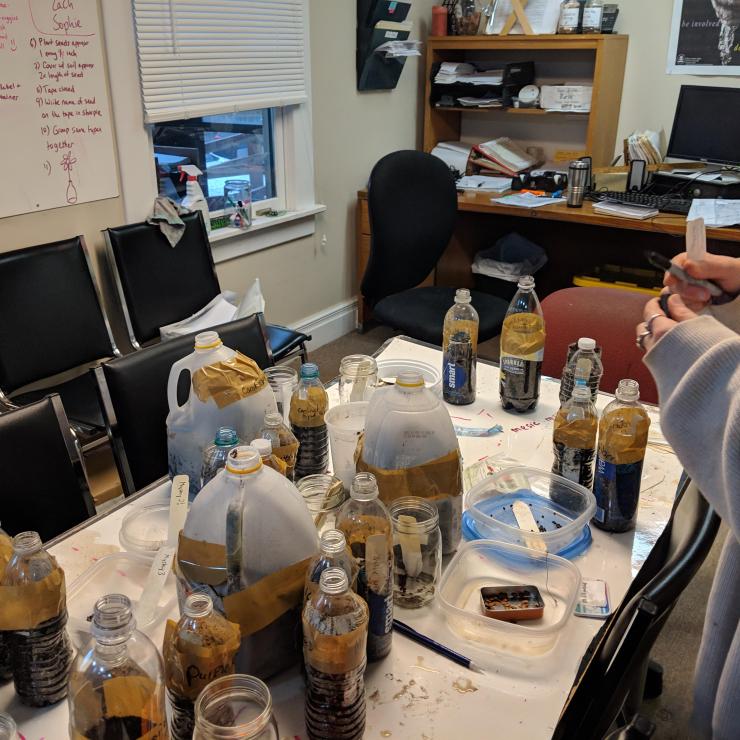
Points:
607	315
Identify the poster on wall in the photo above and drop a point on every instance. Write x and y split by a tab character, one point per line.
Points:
705	37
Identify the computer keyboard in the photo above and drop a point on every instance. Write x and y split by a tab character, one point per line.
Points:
663	203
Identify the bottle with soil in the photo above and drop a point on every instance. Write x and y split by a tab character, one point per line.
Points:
522	349
460	350
367	527
574	438
40	654
623	435
116	686
197	650
6	550
335	631
264	447
333	553
307	408
284	442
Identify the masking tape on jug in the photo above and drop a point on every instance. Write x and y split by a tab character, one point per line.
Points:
228	381
202	562
28	605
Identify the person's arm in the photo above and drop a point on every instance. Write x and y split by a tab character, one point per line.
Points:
696	366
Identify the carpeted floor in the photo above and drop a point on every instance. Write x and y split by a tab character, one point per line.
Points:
678	644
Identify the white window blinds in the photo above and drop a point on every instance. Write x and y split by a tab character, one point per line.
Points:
203	57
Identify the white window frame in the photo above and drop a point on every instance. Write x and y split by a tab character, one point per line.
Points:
293	151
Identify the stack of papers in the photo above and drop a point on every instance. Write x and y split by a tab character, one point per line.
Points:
639	213
449	72
526	200
394	49
502	155
454	154
484	184
490	77
645	145
490	101
715	213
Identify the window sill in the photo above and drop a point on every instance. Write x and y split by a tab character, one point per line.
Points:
265	232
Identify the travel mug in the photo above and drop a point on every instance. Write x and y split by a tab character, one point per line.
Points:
578	182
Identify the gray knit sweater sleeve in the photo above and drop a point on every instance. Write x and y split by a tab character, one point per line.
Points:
696	366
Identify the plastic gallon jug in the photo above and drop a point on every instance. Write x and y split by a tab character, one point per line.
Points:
247	542
226	389
411	448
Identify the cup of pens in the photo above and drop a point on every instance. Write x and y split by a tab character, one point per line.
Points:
238	203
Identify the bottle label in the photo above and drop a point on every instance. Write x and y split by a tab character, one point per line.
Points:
592	18
380	607
617	492
574	464
569	17
517	364
455	376
379	594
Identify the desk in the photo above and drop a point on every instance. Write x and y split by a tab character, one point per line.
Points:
414	693
575	239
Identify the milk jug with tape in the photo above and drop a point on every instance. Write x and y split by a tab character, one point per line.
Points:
226	389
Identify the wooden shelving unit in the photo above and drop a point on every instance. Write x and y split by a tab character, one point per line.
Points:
603	54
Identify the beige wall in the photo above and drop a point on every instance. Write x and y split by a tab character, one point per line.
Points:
351	132
649	98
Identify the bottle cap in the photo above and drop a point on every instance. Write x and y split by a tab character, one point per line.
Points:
243	461
309	370
263	446
462	295
334	581
586	343
198	605
410	379
333	541
226	437
273	419
526	282
207	340
364	487
628	390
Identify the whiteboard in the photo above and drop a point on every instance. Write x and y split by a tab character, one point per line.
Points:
57	140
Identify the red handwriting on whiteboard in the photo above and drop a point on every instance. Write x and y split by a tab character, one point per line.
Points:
56	18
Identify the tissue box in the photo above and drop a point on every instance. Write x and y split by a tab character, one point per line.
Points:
566	97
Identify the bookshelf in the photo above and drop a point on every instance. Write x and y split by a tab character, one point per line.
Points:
597	59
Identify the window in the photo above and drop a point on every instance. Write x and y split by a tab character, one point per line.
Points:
229	146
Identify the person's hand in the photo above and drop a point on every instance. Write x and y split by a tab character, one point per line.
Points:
725	271
657	324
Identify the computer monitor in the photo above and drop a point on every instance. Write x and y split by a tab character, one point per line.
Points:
705	125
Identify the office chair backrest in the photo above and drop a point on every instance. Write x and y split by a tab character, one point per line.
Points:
412	202
43	484
133	392
159	284
51	319
633	629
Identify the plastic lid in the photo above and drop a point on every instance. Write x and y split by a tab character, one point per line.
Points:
263	446
334	581
333	541
462	295
207	340
144	529
586	343
364	487
410	379
243	461
226	437
526	282
309	370
628	390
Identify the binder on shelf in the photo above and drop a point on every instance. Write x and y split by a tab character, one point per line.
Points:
378	22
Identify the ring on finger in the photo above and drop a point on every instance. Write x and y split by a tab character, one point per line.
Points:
640	341
649	322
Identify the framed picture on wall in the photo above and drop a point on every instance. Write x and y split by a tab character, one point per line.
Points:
705	37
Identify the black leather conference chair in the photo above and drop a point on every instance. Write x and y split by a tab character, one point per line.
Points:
52	321
159	284
610	686
133	393
43	486
413	207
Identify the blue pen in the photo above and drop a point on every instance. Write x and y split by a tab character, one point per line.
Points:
435	646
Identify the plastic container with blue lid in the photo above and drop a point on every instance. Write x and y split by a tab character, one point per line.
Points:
560	507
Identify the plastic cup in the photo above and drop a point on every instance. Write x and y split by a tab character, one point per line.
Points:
345	424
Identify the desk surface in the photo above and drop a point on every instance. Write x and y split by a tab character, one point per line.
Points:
414	693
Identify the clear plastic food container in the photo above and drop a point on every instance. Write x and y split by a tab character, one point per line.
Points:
144	529
388	371
486	563
560	507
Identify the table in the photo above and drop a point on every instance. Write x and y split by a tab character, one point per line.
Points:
414	693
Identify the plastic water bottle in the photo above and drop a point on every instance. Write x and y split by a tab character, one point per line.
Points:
583	365
333	553
284	442
367	527
574	438
307	408
522	349
460	350
623	435
335	629
215	455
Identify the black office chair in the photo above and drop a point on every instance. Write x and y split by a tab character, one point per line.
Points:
412	202
43	487
159	284
52	321
133	393
612	682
